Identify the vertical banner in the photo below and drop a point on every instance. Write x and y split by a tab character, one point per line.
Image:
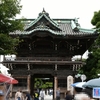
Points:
96	92
69	82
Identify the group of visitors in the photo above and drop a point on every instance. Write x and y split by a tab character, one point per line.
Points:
26	96
67	97
83	94
40	94
80	94
20	96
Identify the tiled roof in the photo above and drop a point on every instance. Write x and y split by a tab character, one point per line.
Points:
67	27
41	15
69	31
18	32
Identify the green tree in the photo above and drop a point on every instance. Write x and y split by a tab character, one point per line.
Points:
7	44
92	67
96	19
8	23
39	83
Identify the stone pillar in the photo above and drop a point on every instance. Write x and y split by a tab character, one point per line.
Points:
28	83
69	82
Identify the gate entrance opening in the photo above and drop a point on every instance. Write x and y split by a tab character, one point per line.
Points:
42	81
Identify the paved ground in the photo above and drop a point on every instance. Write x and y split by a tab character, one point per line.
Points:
47	97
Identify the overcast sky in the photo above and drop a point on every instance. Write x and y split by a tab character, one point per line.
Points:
82	9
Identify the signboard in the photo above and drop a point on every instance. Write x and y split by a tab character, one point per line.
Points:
96	92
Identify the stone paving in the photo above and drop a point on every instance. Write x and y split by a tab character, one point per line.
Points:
47	97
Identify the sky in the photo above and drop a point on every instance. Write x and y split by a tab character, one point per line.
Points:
82	9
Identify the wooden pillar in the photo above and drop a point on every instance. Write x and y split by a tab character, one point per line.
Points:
55	87
28	83
56	47
55	83
28	66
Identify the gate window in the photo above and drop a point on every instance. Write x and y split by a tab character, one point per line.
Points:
62	82
22	84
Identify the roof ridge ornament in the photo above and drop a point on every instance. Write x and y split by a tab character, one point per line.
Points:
42	25
74	26
44	13
76	22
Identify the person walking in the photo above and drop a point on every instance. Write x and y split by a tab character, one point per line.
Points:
42	94
22	95
27	97
9	95
68	96
18	95
36	95
58	94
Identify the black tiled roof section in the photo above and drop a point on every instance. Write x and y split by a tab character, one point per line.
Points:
66	27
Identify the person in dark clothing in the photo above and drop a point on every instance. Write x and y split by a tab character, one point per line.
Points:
36	95
68	96
58	94
28	97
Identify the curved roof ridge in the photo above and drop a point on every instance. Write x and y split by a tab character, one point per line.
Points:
47	17
87	30
18	32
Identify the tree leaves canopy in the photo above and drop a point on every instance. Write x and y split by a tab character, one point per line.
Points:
92	67
8	23
96	19
7	44
8	11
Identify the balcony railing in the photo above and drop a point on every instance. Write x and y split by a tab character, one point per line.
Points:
38	58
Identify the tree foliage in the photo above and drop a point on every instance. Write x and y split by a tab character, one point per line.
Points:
8	11
8	23
39	83
7	44
92	67
96	19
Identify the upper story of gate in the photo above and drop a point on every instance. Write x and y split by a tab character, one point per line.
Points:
46	37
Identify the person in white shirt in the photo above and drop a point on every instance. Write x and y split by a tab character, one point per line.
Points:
18	95
42	94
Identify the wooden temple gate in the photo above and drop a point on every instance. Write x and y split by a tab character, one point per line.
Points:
47	49
29	68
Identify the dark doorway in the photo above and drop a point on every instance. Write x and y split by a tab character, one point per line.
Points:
42	81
